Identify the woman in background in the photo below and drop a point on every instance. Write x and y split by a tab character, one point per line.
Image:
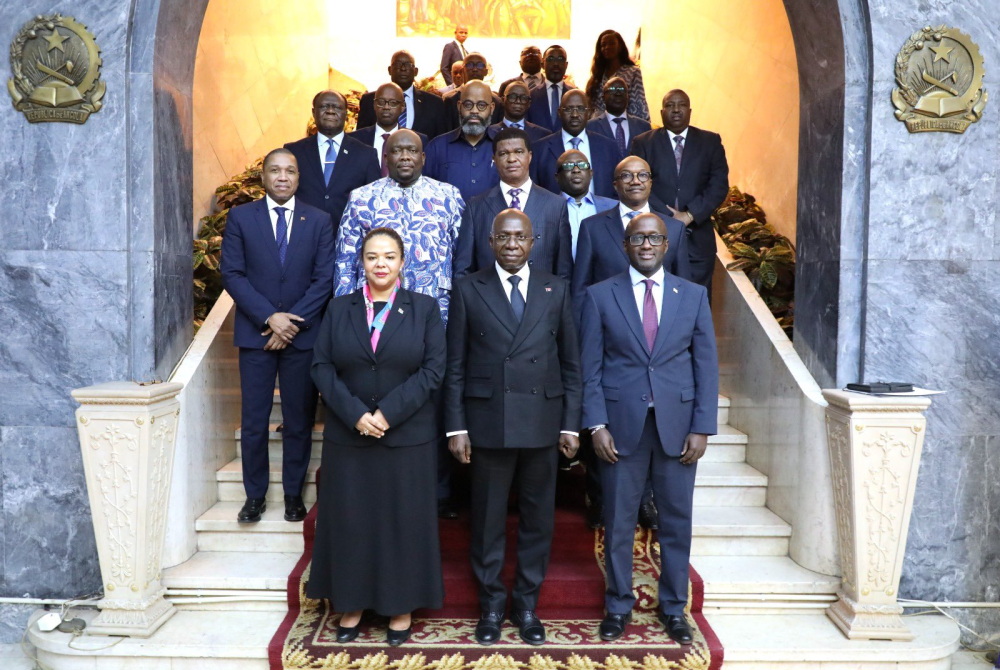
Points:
611	59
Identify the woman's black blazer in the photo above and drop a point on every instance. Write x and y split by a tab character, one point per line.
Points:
400	378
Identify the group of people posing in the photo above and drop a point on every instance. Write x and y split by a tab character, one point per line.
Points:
507	294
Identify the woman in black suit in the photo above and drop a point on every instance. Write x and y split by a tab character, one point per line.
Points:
379	357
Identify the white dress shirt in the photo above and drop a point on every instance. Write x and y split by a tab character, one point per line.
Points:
639	289
624	211
321	143
584	146
614	126
578	211
522	197
408	98
379	141
271	211
513	124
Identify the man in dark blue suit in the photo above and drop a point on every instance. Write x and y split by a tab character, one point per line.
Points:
690	178
331	165
616	123
425	112
601	152
388	108
545	99
454	51
277	264
546	211
516	102
651	384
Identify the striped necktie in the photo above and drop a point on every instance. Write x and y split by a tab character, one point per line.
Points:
329	162
402	117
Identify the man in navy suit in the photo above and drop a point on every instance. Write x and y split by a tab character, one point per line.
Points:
547	211
651	384
601	153
277	264
388	108
454	51
545	99
531	70
424	111
516	102
616	123
690	178
331	165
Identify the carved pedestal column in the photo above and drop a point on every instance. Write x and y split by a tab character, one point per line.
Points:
127	435
875	445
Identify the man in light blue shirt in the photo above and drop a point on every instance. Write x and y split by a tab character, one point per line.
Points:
574	176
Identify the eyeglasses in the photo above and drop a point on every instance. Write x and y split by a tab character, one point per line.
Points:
503	238
626	177
574	109
515	98
637	240
616	89
404	65
572	165
468	105
391	104
475	65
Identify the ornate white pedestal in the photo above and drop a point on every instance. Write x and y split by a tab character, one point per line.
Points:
875	445
127	435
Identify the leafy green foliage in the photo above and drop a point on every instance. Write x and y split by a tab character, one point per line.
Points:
766	256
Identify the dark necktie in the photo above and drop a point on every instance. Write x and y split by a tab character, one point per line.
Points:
402	117
328	163
385	168
281	234
649	321
620	136
554	100
678	151
514	202
516	299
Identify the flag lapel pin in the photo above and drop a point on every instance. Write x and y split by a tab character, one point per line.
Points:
548	289
675	289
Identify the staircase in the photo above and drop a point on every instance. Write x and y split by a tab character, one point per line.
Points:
739	547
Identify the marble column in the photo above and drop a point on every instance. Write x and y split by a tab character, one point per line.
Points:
875	444
127	436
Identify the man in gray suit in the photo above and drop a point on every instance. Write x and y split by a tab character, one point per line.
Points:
651	385
546	210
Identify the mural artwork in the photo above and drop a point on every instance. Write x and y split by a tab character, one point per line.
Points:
485	18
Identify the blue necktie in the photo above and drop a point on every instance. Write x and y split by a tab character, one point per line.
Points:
516	299
328	163
281	234
576	142
555	102
402	117
620	136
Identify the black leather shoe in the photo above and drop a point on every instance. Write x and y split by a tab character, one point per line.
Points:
677	627
345	635
529	626
595	517
252	509
647	516
613	626
295	509
488	628
397	637
447	509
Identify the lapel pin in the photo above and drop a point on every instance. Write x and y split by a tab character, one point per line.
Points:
302	218
675	289
346	151
548	289
400	310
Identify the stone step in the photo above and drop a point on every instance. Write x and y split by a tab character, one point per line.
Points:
718	531
199	640
729	446
716	485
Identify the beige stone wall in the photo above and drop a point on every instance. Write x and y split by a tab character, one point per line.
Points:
259	65
737	62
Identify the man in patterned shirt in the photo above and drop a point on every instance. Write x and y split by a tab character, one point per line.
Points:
426	213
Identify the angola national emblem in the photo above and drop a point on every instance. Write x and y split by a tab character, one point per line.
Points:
56	66
939	72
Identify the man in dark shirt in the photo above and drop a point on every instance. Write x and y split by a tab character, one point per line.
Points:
464	157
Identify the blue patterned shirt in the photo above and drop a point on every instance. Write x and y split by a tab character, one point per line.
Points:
427	215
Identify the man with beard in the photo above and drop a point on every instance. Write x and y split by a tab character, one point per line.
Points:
424	111
476	68
332	164
388	108
516	102
531	67
616	123
464	157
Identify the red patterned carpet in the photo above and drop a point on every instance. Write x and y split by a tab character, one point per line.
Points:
571	606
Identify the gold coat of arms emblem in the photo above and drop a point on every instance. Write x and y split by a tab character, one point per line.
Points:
55	66
939	73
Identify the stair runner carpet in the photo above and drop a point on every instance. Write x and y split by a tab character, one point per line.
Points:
571	605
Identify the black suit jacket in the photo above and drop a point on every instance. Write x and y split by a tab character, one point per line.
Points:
535	133
399	378
367	135
357	165
539	113
701	186
428	113
604	158
602	126
451	54
512	385
600	252
548	215
451	99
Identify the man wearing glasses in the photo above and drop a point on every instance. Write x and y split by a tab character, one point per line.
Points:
475	69
464	157
531	67
615	123
516	101
331	164
545	99
574	178
424	111
389	106
651	383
